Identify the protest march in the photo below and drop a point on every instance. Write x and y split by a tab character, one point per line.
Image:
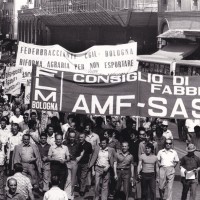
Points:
71	123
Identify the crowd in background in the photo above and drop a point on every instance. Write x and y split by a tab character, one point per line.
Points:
55	154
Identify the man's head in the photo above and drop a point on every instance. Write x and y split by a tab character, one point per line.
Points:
153	126
58	139
26	118
3	123
168	144
125	147
149	148
87	128
82	137
43	138
142	133
18	168
165	125
109	133
33	116
72	137
191	149
50	129
55	181
26	139
12	185
17	112
103	142
15	128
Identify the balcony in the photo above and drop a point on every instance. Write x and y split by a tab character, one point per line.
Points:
64	6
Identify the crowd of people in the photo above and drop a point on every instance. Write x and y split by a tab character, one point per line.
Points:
55	154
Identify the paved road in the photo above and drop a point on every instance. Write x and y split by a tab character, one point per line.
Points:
179	146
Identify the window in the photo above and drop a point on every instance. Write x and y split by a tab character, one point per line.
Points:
178	4
194	5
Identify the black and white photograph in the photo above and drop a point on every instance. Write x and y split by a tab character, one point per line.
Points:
99	99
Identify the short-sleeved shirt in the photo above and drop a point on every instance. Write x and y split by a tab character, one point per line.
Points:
87	148
167	158
148	163
190	162
55	193
15	140
124	161
15	119
27	153
58	152
93	139
168	134
23	184
5	135
51	139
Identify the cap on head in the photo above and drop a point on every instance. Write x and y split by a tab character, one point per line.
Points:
165	123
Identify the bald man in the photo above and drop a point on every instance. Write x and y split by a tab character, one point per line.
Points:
12	193
72	164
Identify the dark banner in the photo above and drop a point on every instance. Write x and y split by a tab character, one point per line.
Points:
136	93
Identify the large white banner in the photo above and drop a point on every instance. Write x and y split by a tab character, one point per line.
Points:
13	79
105	60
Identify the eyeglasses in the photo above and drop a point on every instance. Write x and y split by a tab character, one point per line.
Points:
169	143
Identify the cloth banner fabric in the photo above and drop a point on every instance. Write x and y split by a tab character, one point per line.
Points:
105	59
13	78
136	93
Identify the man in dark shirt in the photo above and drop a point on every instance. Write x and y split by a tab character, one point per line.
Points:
84	148
72	164
43	147
190	165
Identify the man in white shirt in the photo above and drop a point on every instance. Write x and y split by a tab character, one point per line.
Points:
167	161
5	132
190	124
166	132
55	193
17	118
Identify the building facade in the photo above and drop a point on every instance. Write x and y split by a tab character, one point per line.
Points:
183	15
9	16
79	24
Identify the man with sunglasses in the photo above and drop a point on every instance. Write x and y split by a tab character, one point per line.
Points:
167	161
166	132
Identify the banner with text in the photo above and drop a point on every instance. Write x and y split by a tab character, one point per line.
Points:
134	93
13	79
105	59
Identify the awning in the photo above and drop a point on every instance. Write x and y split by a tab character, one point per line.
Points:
154	59
176	51
173	34
189	62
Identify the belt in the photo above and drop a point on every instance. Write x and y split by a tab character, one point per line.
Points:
122	169
100	166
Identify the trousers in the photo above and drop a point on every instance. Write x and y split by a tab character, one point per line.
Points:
189	184
148	181
101	177
71	179
82	176
166	179
60	170
124	180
